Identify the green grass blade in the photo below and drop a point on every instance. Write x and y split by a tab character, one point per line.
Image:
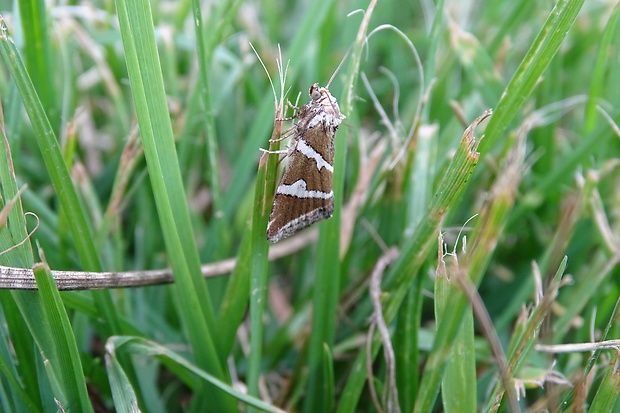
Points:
477	64
327	282
598	82
533	65
51	152
207	38
264	192
164	171
125	400
61	179
37	53
493	217
524	339
22	255
328	374
406	346
414	252
235	301
447	194
259	279
458	385
12	392
145	348
17	330
60	349
606	397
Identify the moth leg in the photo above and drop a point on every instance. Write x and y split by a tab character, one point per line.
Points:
290	131
284	152
289	118
270	152
295	116
281	138
290	105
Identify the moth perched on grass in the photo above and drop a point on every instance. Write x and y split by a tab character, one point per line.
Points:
305	192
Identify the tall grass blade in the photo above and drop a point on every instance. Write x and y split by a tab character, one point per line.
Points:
149	96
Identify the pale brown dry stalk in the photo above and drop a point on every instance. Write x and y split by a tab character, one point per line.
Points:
391	391
23	278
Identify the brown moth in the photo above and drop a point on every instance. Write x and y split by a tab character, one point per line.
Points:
305	192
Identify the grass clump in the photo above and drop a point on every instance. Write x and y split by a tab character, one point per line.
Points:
476	272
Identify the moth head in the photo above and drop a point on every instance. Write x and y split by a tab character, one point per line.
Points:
315	92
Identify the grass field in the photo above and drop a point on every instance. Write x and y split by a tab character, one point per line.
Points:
471	263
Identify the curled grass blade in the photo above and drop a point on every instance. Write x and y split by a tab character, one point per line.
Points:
145	348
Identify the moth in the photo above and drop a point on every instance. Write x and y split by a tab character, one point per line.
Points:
305	192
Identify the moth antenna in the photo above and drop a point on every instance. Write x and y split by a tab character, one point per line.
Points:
338	68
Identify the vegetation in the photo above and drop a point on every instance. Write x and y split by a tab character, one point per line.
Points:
458	273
